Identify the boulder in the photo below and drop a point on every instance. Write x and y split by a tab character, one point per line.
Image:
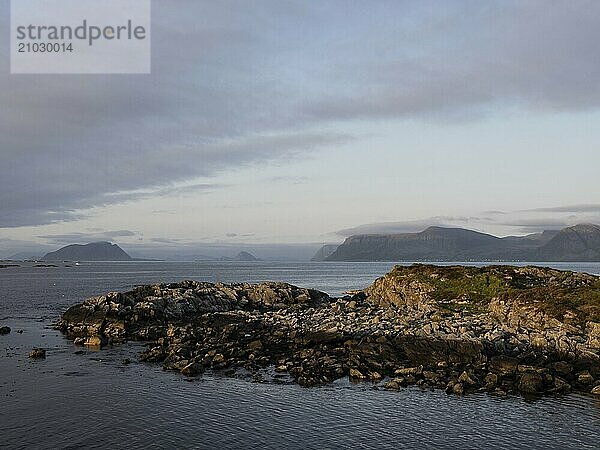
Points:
465	379
255	345
503	365
561	385
458	389
409	371
593	334
563	368
192	369
395	384
375	376
531	383
585	378
491	380
37	353
93	341
356	375
4	331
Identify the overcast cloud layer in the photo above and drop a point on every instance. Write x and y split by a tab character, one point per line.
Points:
237	83
513	222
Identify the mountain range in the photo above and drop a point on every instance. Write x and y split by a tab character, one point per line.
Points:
576	243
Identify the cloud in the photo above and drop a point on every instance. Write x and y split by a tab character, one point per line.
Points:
504	223
239	235
240	83
413	226
22	248
165	241
462	59
60	192
84	238
289	180
583	208
534	220
538	224
71	143
494	212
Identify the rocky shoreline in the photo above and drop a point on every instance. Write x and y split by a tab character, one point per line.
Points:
498	329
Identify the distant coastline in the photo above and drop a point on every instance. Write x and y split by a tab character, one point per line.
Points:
576	243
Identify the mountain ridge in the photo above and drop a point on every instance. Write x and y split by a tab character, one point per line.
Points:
577	243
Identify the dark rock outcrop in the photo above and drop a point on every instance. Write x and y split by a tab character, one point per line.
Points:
96	251
496	329
37	353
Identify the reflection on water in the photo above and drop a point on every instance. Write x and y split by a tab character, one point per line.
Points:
92	399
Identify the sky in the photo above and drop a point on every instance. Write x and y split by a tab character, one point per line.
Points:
284	122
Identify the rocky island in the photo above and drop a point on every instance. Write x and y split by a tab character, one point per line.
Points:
497	329
94	251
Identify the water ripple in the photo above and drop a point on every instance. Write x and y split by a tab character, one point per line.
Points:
90	400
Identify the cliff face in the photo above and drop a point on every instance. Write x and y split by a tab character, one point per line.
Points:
435	243
324	252
497	329
579	243
97	251
551	298
538	329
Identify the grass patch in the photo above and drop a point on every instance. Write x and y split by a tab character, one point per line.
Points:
567	296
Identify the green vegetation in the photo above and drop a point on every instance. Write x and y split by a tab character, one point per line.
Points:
570	305
567	296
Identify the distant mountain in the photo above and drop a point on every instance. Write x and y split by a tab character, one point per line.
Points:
23	256
245	256
324	252
578	243
96	251
544	236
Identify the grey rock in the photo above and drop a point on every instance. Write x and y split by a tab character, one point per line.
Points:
531	383
37	353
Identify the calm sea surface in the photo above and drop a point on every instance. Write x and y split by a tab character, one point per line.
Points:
90	399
